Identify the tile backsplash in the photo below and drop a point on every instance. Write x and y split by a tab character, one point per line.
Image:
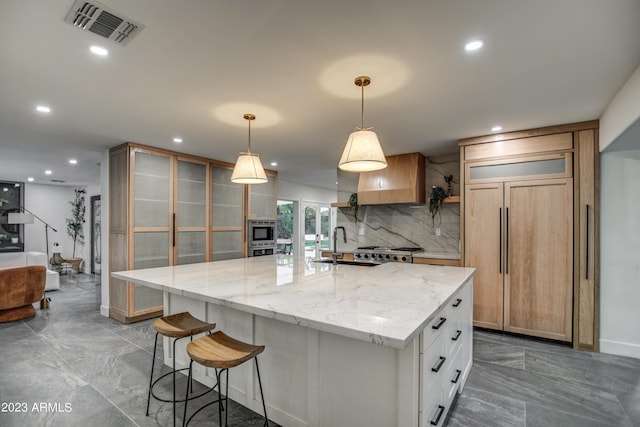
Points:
403	225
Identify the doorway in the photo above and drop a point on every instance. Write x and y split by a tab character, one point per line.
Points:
317	225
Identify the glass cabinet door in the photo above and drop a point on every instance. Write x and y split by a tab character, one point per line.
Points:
151	175
227	215
262	199
191	212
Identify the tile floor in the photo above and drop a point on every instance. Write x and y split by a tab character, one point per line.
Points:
89	370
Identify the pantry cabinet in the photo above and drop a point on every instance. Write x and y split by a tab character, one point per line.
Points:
168	208
529	199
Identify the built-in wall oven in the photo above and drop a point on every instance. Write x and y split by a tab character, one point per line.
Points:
261	237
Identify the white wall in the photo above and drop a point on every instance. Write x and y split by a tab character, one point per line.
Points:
51	204
288	190
622	111
620	253
104	206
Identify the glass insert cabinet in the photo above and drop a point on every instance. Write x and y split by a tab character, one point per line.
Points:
167	208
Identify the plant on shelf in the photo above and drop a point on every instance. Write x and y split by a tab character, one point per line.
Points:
353	203
449	179
436	199
75	225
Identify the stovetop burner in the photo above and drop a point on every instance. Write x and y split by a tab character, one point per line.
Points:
381	254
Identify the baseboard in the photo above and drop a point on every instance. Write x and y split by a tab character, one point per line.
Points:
104	310
620	348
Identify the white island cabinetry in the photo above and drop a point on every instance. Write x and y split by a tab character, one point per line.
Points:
345	345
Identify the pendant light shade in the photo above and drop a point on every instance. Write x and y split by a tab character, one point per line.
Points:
362	152
248	168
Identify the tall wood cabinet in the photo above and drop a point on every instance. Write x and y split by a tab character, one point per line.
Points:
167	208
527	196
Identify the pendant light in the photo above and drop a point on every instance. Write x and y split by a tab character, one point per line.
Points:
362	152
248	168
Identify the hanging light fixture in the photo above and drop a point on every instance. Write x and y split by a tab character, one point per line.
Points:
248	168
362	152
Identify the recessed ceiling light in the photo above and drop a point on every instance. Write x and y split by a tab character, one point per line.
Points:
274	163
73	162
43	109
5	189
48	172
30	179
98	50
177	140
496	129
473	45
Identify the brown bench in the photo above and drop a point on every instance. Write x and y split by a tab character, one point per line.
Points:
19	289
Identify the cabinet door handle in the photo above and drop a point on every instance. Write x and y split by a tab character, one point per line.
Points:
458	333
174	230
587	251
500	238
439	365
434	422
439	324
457	377
506	262
457	303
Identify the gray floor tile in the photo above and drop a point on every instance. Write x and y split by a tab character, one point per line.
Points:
499	354
477	408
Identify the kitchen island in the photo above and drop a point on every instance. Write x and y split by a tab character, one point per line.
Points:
387	345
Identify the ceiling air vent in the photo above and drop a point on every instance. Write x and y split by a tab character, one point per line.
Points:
99	19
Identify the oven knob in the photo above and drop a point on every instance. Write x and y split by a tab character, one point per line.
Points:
358	256
366	256
388	257
395	258
404	258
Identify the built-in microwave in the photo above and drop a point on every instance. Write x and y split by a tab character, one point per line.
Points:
261	233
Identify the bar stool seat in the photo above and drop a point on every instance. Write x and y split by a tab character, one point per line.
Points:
221	352
177	326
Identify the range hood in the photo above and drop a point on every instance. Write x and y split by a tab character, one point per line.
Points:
401	182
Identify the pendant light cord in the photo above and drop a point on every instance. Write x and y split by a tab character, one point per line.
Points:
362	106
249	150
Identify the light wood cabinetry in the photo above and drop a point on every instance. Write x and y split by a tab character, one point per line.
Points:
402	181
167	208
262	199
530	198
228	219
538	258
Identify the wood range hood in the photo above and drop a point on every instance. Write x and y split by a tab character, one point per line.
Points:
401	182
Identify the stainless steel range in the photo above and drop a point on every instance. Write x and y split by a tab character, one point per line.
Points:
382	254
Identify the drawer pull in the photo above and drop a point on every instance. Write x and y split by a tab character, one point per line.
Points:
457	303
438	415
458	333
440	323
455	380
439	365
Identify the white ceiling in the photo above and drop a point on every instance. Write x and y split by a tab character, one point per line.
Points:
545	62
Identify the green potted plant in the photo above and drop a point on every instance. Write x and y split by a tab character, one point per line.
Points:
436	199
353	203
75	226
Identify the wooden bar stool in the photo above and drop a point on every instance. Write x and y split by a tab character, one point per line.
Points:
221	352
177	326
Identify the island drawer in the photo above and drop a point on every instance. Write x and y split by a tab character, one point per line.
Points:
453	377
455	317
434	329
434	410
434	363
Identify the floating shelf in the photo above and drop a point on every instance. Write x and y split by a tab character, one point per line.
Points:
340	205
452	199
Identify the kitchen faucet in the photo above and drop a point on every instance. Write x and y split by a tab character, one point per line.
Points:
335	255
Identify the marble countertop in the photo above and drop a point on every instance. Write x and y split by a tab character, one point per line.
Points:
388	304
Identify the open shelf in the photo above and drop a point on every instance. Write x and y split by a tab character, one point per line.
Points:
452	199
340	205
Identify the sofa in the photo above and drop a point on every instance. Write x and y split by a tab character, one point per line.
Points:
20	288
22	259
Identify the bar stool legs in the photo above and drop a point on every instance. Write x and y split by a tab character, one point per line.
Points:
222	352
176	326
